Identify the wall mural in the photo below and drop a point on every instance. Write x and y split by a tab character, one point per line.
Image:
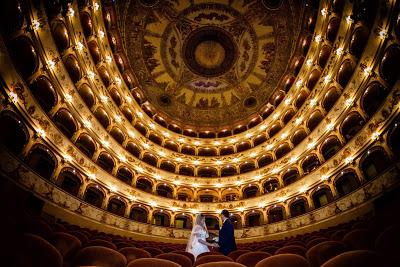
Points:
198	62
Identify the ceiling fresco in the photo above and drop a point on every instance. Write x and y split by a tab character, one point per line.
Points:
208	64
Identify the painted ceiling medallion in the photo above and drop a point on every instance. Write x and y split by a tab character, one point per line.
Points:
208	57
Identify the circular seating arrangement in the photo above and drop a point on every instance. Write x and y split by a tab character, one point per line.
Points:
100	256
235	254
287	260
134	253
364	258
324	251
151	262
252	258
182	260
211	258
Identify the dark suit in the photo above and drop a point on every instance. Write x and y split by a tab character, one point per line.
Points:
227	242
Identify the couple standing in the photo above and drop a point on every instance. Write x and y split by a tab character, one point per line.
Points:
225	241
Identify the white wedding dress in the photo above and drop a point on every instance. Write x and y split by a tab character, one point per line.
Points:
193	245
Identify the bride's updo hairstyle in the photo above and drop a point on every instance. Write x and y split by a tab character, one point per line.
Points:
199	218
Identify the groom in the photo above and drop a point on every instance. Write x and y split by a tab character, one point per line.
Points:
226	238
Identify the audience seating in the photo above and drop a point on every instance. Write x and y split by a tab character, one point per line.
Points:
387	243
131	253
182	260
151	262
359	239
153	251
66	244
293	249
235	254
362	258
211	258
100	256
286	260
324	251
250	259
222	264
209	253
101	243
184	253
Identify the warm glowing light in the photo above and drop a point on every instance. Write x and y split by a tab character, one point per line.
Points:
348	102
327	79
108	59
118	81
13	97
103	98
318	38
330	126
162	153
240	209
140	114
195	185
324	177
367	71
217	143
101	34
91	176
313	102
179	159
248	135
339	51
238	183
122	158
310	145
303	189
382	34
269	147
139	169
106	143
299	83
132	134
375	136
90	75
40	133
235	160
79	46
282	199
70	12
67	158
309	62
288	101
146	146
276	116
166	134
274	171
258	177
152	126
87	124
181	140
51	64
253	154
177	182
284	135
96	6
298	121
348	160
35	24
157	176
233	140
196	162
292	160
349	20
324	12
263	127
196	143
218	185
218	162
68	98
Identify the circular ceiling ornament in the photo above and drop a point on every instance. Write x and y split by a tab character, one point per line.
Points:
209	51
208	57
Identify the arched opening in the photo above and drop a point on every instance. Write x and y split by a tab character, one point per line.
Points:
230	194
310	163
374	162
228	171
298	207
42	161
14	135
212	222
168	166
394	138
144	185
207	151
345	72
164	190
330	147
118	135
94	196
150	159
322	196
253	219
282	150
69	180
65	122
351	125
87	95
208	195
227	150
330	98
243	146
265	160
346	182
236	221
125	175
388	65
155	138
161	219
188	150
290	176
86	144
313	79
171	146
332	29
133	149
186	170
271	185
183	221
102	116
106	162
138	214
116	206
43	91
373	97
301	98
207	172
250	191
275	214
314	119
247	167
275	128
298	136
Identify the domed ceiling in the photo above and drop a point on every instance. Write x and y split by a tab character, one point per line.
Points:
209	64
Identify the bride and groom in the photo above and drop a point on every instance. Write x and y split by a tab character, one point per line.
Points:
225	241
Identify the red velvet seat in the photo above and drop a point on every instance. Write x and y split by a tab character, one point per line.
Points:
359	239
38	227
168	249
235	254
388	243
338	235
182	260
286	260
211	258
222	264
101	243
295	243
153	251
270	249
184	253
35	251
250	259
66	244
316	241
355	258
100	256
292	249
131	253
152	262
209	253
324	251
123	245
82	237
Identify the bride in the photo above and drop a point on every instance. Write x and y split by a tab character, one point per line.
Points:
197	242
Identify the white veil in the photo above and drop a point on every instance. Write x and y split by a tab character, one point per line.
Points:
195	230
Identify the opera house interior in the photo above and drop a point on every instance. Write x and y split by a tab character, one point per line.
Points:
123	120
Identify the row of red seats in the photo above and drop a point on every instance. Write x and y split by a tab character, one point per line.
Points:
352	244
